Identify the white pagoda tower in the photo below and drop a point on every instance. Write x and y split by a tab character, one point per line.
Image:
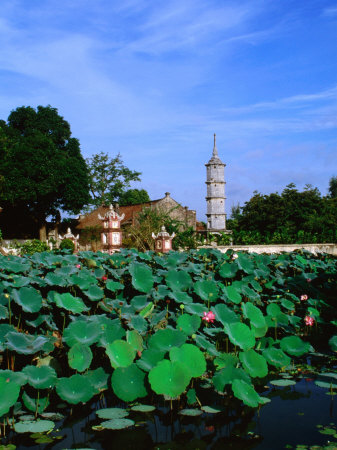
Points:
216	216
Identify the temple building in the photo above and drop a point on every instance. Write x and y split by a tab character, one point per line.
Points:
215	181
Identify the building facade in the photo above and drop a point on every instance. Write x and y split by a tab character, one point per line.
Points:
215	182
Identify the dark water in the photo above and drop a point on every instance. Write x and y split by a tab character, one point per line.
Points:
290	419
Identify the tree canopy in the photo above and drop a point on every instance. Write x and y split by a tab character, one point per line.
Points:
289	217
109	178
42	170
134	197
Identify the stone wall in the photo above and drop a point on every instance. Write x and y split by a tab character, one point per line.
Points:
279	248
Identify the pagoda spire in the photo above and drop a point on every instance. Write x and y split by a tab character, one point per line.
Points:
215	150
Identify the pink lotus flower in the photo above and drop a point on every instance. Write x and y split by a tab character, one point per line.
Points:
78	266
304	297
309	320
308	280
104	278
209	316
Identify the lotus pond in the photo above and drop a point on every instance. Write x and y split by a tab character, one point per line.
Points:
197	350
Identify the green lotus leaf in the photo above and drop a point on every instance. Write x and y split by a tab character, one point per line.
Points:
255	285
245	263
169	378
254	314
240	334
203	342
254	363
207	290
114	286
142	277
276	357
232	294
94	293
112	331
195	308
145	312
83	332
210	410
80	357
75	389
28	298
38	426
26	344
225	314
190	412
112	413
293	345
9	393
128	383
282	382
143	408
178	280
54	416
98	378
181	297
326	385
188	324
228	270
273	310
192	357
3	312
117	424
287	304
52	279
139	324
150	358
227	376
40	377
121	353
139	302
83	280
14	377
333	343
246	393
135	340
70	303
35	404
226	360
164	340
15	266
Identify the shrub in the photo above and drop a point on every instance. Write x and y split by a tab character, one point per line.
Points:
34	246
67	244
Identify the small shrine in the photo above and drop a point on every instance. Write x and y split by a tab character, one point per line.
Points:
111	235
72	237
163	240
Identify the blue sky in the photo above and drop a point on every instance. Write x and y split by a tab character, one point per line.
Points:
155	79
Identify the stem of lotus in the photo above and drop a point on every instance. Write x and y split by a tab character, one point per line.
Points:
199	402
10	311
226	345
275	330
64	323
12	362
37	403
18	325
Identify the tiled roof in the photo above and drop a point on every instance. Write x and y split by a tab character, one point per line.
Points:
91	219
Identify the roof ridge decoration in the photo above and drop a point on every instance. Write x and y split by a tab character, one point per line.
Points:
111	213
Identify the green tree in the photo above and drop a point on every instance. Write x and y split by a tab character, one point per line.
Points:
134	197
333	187
109	178
41	166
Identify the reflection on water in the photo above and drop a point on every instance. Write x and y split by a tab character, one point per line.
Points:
291	418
